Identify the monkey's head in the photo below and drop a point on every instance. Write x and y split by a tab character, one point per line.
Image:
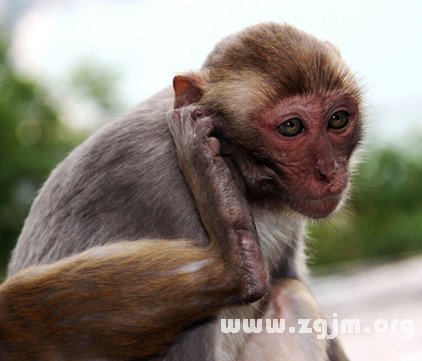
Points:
291	111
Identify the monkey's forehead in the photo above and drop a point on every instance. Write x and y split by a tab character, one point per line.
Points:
291	61
251	95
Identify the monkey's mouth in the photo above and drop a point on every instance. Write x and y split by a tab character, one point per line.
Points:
316	208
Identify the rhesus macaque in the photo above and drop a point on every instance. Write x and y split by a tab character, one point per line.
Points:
188	208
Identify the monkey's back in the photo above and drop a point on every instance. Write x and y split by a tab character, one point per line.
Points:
122	183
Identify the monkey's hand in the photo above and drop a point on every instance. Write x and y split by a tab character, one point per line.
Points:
222	206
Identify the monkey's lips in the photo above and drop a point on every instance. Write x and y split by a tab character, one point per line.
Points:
316	208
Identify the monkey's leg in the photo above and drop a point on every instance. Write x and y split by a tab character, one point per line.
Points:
290	300
129	300
116	302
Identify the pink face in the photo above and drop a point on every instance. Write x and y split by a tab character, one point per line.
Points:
311	139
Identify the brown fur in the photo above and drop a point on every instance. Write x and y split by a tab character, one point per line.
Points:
284	60
46	311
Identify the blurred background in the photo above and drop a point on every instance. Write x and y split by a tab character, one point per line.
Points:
68	67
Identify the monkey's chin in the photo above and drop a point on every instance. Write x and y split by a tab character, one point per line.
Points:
316	208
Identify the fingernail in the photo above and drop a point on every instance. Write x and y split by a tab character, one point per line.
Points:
198	113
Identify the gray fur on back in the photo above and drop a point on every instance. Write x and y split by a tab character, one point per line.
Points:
122	183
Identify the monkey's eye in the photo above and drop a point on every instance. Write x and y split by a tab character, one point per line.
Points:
291	127
339	120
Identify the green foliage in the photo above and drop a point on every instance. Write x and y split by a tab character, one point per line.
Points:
384	217
32	141
91	80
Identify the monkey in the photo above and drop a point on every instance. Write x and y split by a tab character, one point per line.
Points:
289	122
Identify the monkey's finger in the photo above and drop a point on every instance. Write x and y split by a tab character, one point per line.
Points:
214	146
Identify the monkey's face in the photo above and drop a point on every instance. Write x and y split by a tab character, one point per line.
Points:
308	142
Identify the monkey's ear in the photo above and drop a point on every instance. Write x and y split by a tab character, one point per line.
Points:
188	89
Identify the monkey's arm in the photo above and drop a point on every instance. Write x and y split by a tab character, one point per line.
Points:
222	205
129	300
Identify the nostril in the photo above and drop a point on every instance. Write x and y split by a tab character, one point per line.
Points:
324	176
319	175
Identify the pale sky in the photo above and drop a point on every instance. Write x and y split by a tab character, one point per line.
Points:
150	41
